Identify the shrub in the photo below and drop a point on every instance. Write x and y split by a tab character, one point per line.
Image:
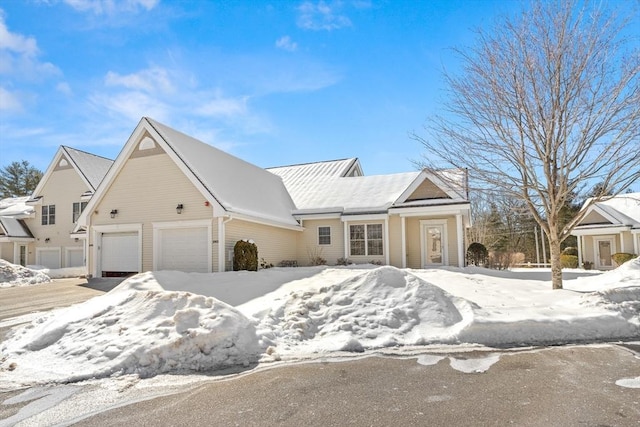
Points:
245	256
569	261
264	264
477	254
343	261
288	263
622	257
315	257
376	262
570	250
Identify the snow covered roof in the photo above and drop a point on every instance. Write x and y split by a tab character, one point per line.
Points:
335	168
623	209
238	186
16	207
13	227
92	167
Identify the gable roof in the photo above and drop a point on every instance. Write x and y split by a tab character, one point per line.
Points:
226	181
623	209
90	167
336	168
14	228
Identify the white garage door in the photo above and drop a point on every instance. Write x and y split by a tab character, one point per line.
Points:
49	258
75	257
184	249
120	254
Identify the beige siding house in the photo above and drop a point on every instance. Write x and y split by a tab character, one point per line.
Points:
608	227
43	234
172	202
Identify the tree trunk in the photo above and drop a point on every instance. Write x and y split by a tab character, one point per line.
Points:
556	266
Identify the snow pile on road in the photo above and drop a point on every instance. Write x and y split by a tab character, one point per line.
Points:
60	273
16	275
134	329
378	308
174	322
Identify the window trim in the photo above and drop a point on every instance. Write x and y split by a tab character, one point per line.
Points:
318	236
81	206
366	239
48	218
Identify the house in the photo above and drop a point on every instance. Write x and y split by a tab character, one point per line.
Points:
40	229
609	226
171	201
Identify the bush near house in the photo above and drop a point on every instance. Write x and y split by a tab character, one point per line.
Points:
477	254
245	256
622	257
569	261
570	250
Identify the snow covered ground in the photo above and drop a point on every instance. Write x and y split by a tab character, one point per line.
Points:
172	322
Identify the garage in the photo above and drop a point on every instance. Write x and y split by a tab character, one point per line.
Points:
183	249
120	255
75	257
49	258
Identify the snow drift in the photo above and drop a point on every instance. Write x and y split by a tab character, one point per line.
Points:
16	275
129	330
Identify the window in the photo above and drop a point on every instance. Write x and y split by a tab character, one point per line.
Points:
77	210
365	239
48	214
324	235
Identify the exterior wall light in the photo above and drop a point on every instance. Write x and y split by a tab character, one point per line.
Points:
47	240
113	213
179	208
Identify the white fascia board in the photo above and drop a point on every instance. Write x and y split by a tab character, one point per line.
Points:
599	229
461	208
262	221
364	217
306	217
8	239
47	174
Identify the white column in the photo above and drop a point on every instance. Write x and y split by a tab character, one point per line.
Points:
221	245
460	237
622	242
346	240
387	258
580	243
403	249
636	239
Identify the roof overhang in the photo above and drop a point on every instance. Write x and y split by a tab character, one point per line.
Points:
593	230
9	239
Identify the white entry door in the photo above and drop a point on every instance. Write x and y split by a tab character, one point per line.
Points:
434	243
604	249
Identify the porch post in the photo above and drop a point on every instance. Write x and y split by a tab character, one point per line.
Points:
387	258
580	243
221	245
622	241
460	237
346	239
403	249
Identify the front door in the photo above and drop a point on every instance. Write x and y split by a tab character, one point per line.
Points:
433	244
604	248
22	254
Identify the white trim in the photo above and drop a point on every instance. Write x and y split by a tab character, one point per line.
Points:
424	224
403	250
98	230
318	236
460	208
596	253
460	240
385	243
305	217
172	225
369	217
16	253
248	218
39	250
600	230
74	248
385	239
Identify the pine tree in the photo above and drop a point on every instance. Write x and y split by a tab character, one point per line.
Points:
18	179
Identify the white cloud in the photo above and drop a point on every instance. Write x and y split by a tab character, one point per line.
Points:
321	16
285	43
16	42
64	88
149	80
132	105
9	102
110	7
221	106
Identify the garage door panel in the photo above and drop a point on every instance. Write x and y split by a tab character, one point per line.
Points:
120	253
49	258
184	249
75	258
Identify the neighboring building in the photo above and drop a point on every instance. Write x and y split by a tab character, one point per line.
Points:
40	230
608	227
172	202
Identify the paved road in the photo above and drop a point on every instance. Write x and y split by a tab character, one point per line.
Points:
561	386
18	301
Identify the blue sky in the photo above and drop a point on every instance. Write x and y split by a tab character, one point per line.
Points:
274	83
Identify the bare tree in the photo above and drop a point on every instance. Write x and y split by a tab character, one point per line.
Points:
546	105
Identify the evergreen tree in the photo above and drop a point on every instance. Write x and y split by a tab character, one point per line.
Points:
18	179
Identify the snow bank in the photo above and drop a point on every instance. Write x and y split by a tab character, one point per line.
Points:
134	329
378	308
16	275
60	273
